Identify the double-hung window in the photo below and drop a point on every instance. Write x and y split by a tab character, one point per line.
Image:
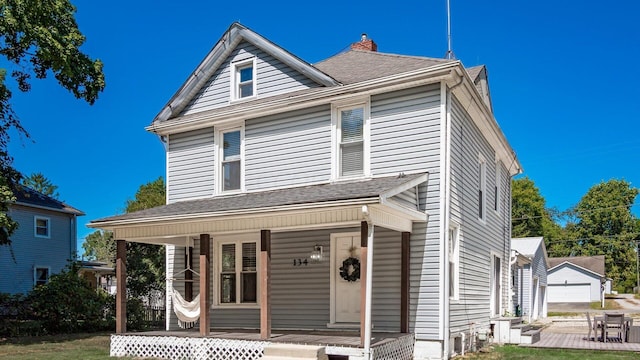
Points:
238	273
454	263
243	75
351	138
42	227
496	187
230	154
482	188
40	275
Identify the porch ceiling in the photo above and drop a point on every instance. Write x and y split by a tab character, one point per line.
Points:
310	207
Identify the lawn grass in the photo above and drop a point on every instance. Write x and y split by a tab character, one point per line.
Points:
609	304
564	314
58	347
510	352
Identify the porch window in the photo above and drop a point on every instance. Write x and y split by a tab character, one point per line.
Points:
482	188
351	141
454	263
42	227
238	273
230	144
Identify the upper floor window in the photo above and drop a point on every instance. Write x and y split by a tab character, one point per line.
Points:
40	275
230	155
482	188
243	79
42	227
351	137
238	273
496	187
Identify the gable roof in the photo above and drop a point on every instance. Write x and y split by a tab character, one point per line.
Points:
326	194
354	66
594	264
227	43
529	246
28	197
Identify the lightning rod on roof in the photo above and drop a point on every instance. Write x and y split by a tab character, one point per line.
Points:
449	55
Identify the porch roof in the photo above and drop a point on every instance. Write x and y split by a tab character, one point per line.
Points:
320	205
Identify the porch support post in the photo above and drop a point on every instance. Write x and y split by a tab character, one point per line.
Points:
366	272
404	283
188	275
121	287
205	284
265	284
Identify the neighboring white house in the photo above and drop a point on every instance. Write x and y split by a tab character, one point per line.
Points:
576	279
532	276
285	177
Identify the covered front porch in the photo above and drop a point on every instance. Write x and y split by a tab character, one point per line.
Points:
269	238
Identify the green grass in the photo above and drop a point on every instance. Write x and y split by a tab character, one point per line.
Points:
58	347
564	314
609	304
509	352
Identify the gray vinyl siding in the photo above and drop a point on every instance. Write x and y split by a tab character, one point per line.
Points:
273	77
30	251
527	290
407	199
175	263
540	266
190	165
478	238
405	130
288	149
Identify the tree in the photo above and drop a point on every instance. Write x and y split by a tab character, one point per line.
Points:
605	225
145	262
41	184
38	38
530	217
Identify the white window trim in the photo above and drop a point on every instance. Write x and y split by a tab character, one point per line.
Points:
236	239
35	227
335	137
492	300
219	155
482	185
235	91
454	257
35	272
498	187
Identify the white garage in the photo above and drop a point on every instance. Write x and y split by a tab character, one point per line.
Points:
569	293
575	279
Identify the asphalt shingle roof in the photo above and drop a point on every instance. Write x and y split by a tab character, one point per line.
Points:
332	192
354	66
28	196
593	263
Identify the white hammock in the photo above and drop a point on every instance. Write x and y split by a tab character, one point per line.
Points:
187	312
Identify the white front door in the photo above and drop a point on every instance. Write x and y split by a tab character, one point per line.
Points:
346	294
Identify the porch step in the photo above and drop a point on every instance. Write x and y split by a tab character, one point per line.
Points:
530	337
294	351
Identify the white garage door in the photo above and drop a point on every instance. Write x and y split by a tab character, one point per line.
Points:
569	293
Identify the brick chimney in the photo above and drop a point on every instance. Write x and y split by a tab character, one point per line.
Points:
364	44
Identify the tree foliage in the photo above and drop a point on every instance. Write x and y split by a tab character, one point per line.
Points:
39	183
100	246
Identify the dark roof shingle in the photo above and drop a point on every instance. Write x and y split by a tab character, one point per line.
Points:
593	263
27	196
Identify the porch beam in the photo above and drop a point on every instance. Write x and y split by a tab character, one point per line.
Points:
121	286
364	232
205	284
404	283
265	284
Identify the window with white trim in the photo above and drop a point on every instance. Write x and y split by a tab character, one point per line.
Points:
42	227
496	187
238	272
482	188
243	79
454	263
230	159
351	139
40	275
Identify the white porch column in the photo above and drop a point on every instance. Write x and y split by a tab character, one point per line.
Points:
366	277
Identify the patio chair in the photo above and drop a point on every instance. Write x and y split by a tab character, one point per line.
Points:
614	322
592	327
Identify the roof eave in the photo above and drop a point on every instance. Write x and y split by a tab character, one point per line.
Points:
70	211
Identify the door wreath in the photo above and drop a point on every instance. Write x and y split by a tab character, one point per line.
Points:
350	269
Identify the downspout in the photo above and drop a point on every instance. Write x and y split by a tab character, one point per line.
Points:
369	284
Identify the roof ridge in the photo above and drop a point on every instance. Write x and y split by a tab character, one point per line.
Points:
378	53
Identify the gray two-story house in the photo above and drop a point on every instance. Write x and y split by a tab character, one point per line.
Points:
367	193
43	243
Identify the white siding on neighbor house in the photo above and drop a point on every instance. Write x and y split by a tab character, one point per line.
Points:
477	238
288	149
30	251
405	130
272	78
539	265
527	290
190	165
571	276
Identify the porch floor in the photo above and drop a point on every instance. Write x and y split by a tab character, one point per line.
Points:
304	337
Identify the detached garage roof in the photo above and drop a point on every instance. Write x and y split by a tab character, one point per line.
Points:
594	264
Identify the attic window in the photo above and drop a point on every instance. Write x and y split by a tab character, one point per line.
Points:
243	79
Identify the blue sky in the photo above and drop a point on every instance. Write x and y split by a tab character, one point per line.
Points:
563	79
